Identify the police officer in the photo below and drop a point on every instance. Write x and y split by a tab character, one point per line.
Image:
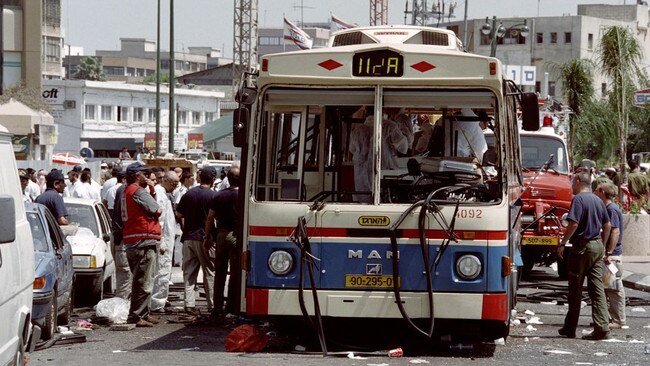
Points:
587	216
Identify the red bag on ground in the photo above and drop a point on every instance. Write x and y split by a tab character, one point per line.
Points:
246	338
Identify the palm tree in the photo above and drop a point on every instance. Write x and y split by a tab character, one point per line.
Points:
577	86
619	55
90	69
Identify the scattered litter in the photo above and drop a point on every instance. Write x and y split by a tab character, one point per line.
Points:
625	327
84	325
271	334
557	352
530	328
645	326
64	330
116	309
601	354
119	351
299	348
554	302
586	331
500	342
377	364
584	363
636	341
638	310
190	349
582	304
525	339
147	337
187	337
534	320
515	322
396	352
513	312
122	327
352	356
613	340
534	338
529	312
418	360
246	338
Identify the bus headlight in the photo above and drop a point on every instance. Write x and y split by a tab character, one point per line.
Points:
565	221
280	262
468	266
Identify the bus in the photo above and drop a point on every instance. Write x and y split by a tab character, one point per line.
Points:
341	221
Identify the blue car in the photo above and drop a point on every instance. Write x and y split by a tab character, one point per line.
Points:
53	274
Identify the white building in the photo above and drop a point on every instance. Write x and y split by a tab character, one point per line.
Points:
107	116
555	40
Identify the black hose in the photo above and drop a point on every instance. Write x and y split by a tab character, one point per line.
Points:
302	241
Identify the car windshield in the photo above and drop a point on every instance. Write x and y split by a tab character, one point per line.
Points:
82	215
38	232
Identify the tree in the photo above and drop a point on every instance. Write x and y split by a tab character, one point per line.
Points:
164	78
577	86
90	69
30	97
619	54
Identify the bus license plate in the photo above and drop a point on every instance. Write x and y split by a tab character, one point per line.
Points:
372	281
540	240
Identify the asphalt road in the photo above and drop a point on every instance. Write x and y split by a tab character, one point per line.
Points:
529	344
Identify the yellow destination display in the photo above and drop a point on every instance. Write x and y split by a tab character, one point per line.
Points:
371	281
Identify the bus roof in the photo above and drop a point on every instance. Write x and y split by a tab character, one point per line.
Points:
397	34
338	65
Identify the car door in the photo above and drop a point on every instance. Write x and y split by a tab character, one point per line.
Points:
105	228
63	251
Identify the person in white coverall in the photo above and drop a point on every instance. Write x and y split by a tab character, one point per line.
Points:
162	275
471	140
393	141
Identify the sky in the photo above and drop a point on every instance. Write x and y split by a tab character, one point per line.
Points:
99	24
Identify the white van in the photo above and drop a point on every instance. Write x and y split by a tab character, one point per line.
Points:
16	261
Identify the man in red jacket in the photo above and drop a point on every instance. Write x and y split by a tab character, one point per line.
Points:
141	234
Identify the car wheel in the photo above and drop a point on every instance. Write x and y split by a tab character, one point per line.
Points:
97	291
69	307
20	359
50	319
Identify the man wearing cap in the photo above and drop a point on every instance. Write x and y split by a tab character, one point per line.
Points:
193	209
51	198
141	235
24	179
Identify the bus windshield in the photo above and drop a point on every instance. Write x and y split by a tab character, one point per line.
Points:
376	145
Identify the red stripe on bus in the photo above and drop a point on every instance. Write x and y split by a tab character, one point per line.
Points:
405	233
495	307
257	301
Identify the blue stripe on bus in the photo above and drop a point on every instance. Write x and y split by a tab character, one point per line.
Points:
334	264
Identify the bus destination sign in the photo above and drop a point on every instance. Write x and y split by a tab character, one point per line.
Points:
379	63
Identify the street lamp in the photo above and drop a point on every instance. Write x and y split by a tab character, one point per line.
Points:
497	33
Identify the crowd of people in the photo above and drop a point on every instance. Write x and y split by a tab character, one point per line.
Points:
154	210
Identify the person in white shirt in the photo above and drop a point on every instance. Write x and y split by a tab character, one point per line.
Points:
167	181
108	184
112	192
33	190
85	190
73	183
187	182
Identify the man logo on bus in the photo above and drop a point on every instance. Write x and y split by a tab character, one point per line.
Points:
373	269
374	220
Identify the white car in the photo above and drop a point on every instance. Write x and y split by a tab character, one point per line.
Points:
91	248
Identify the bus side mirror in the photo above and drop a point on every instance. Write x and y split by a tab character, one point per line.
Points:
529	112
240	119
246	96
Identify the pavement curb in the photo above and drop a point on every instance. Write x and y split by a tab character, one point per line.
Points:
637	281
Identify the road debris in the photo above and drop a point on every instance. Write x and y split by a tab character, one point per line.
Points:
556	352
190	349
352	356
601	354
530	328
554	302
638	310
122	327
119	351
529	312
534	320
418	361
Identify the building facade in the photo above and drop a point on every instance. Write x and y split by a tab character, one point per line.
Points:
271	40
555	40
107	116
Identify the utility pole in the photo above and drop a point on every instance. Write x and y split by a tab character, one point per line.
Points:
465	26
378	12
158	84
172	66
245	38
2	47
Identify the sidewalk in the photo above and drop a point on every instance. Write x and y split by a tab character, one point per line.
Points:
636	272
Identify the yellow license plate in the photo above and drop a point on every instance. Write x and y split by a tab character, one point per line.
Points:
540	240
369	281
